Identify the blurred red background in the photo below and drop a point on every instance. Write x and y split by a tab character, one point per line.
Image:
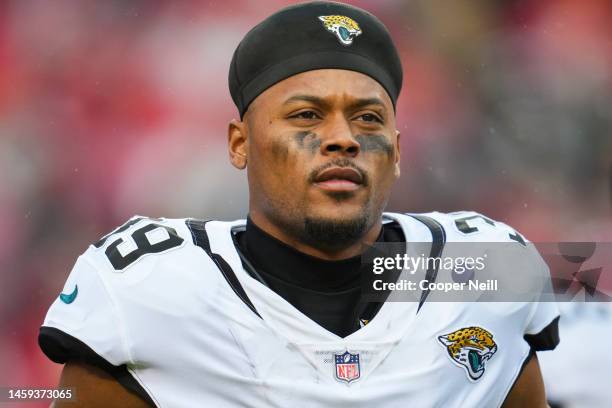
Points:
115	108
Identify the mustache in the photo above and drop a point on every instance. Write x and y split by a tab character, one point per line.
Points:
340	162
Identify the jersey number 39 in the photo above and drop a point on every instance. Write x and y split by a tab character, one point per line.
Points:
151	238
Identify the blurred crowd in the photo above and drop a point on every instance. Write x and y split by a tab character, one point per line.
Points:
115	108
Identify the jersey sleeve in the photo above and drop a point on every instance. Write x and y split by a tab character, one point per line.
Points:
83	323
541	329
542	324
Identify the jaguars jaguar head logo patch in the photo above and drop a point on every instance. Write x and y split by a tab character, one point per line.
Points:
345	29
470	348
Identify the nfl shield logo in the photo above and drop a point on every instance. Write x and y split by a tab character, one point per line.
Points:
347	366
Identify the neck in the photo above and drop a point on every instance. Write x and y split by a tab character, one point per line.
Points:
329	254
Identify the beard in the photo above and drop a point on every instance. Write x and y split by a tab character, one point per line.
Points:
327	233
334	234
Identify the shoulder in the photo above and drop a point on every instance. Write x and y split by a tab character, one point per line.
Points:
135	239
145	270
145	240
521	276
145	253
471	232
470	226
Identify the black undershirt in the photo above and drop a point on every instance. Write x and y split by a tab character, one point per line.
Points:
328	292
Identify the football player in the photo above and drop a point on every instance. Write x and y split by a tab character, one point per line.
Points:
269	311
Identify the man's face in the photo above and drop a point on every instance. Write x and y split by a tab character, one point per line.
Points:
322	153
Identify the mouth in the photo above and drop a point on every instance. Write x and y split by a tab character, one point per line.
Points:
477	361
339	179
474	360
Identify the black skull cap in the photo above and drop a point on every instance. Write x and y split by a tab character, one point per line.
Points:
309	36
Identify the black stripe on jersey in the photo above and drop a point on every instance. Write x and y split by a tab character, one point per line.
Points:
63	348
200	238
246	264
438	240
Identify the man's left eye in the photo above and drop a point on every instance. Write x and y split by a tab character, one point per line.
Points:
369	117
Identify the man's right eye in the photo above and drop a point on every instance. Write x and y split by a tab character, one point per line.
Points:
309	114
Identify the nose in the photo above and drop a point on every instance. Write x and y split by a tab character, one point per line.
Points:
338	139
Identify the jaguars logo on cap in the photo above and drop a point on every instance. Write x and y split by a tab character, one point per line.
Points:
345	29
470	348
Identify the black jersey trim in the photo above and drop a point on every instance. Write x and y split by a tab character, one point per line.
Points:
545	339
438	240
61	348
246	264
200	238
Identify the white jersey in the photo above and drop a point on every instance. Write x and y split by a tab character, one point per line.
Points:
169	301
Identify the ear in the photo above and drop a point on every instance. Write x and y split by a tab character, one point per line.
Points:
397	154
444	340
237	143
